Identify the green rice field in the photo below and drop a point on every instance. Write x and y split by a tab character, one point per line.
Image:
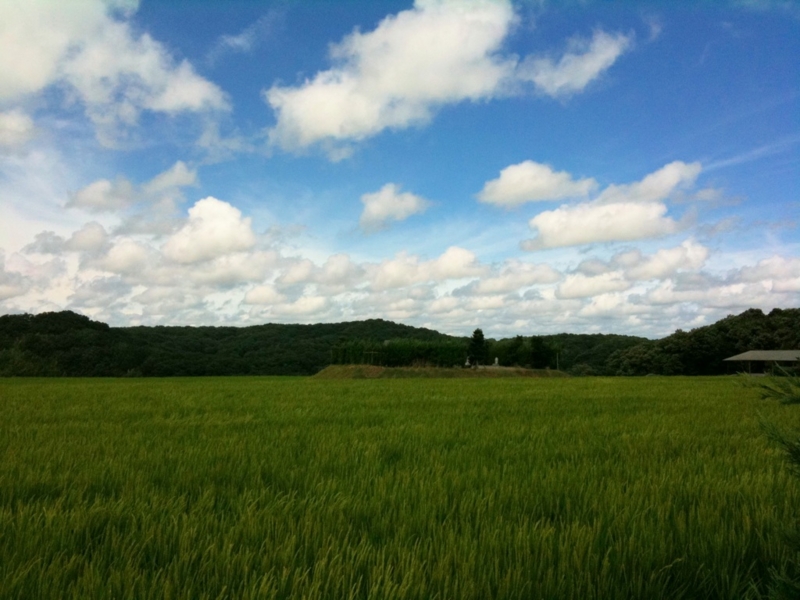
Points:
587	488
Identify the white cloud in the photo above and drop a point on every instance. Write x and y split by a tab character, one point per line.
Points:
339	270
113	71
782	273
656	186
264	294
513	276
584	62
581	286
405	270
244	41
109	196
299	271
774	267
439	52
530	181
303	306
104	195
89	238
214	228
16	128
125	257
233	269
619	213
11	284
590	223
177	176
389	204
667	261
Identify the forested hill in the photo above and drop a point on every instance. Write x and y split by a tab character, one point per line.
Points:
703	350
68	344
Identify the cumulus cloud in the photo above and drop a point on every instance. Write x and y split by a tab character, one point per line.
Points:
782	273
580	65
389	204
591	223
513	276
214	228
177	176
11	283
16	128
405	270
87	47
619	213
656	186
399	74
303	306
667	261
264	294
395	76
530	181
104	195
581	286
125	257
774	267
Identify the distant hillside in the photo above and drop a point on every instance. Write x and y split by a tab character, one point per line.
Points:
703	350
68	344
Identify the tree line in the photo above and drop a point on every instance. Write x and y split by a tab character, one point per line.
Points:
69	344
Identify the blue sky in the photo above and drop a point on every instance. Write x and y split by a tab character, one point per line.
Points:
527	168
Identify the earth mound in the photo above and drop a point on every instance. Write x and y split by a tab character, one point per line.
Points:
376	372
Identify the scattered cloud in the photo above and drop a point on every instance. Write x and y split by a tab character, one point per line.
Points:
214	228
584	62
16	128
396	76
245	41
530	181
581	286
439	52
104	195
619	213
389	204
656	186
667	261
405	269
514	276
90	48
592	223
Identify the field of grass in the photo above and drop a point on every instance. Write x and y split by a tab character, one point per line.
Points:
388	489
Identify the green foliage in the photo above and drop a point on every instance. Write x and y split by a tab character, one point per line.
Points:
703	350
66	344
786	390
577	354
387	489
478	349
401	353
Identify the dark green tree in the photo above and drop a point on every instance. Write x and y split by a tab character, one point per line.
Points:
478	349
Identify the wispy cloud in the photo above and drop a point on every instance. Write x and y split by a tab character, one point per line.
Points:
245	41
782	145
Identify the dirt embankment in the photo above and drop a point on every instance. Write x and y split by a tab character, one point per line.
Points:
375	372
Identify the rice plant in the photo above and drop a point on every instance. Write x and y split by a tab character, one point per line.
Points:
396	488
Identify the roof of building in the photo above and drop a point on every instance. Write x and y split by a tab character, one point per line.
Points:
767	355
